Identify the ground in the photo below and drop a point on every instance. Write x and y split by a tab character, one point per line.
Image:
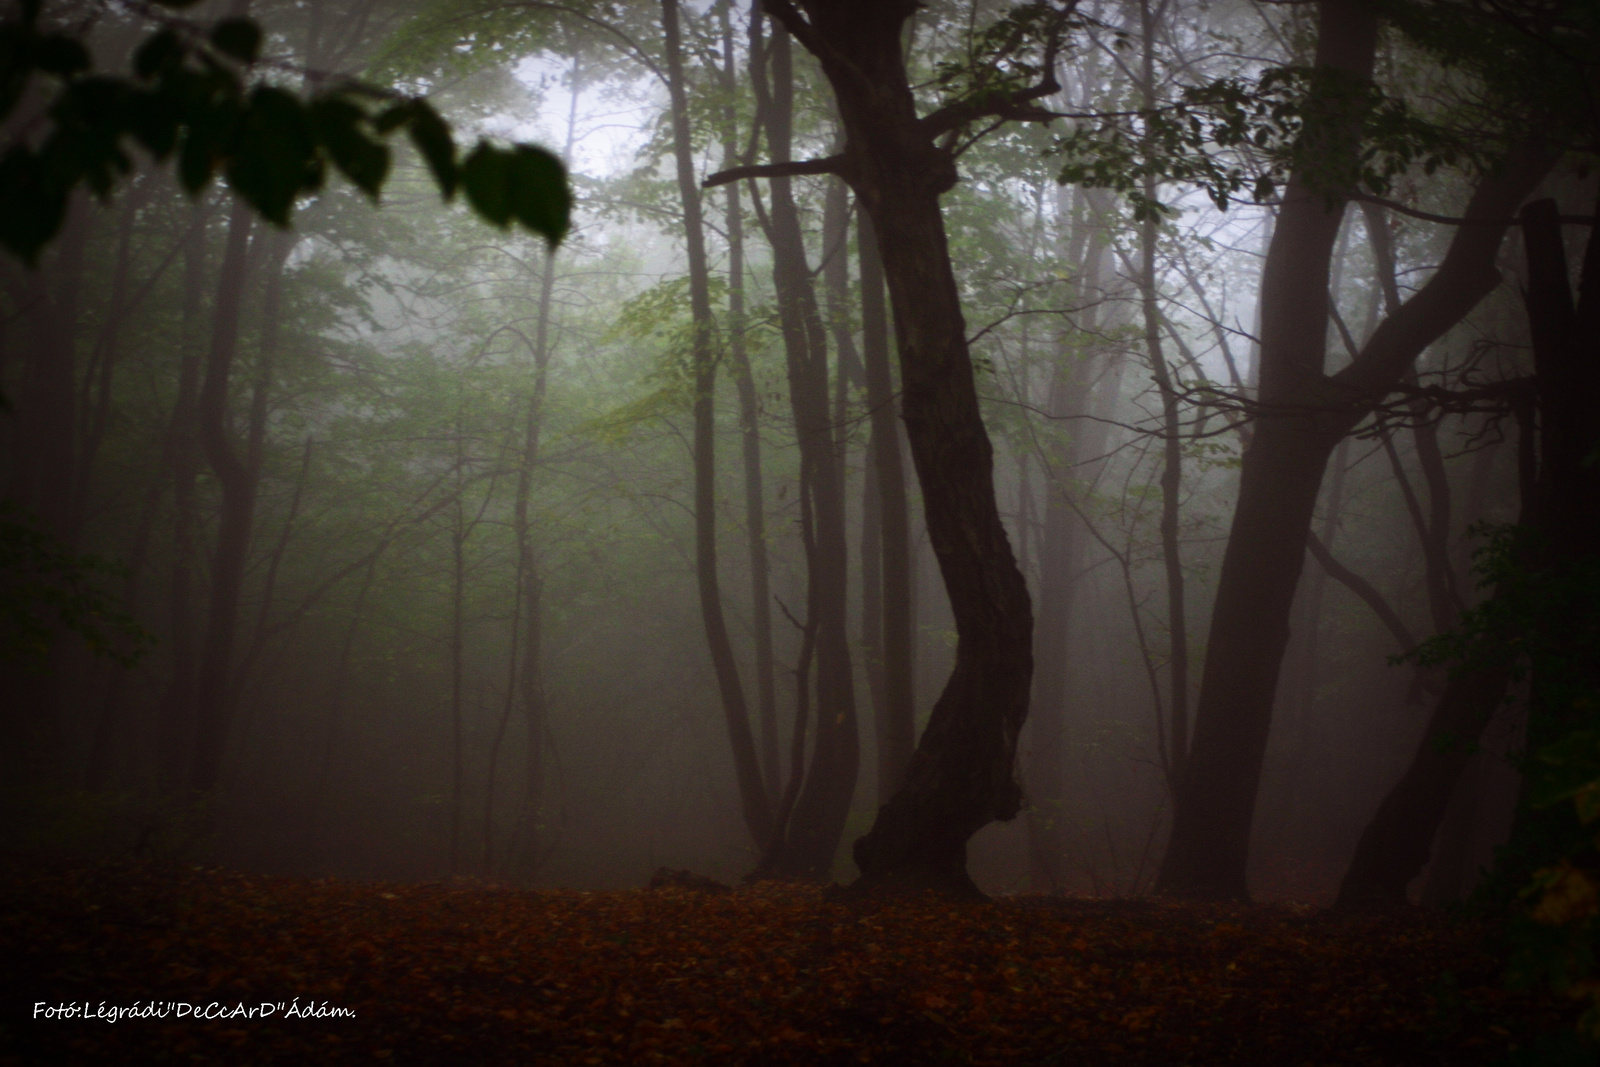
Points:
481	974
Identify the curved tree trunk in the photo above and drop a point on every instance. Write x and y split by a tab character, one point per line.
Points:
961	776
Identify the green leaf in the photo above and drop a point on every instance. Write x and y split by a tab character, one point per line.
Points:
153	122
238	38
338	125
31	205
486	179
275	154
431	135
523	184
537	186
159	54
62	56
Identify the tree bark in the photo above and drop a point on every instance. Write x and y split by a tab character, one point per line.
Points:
891	625
752	792
176	729
755	508
961	776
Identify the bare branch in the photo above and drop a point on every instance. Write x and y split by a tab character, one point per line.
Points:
829	165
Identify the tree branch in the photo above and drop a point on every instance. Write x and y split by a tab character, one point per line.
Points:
828	165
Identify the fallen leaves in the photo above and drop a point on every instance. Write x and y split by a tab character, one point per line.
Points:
773	974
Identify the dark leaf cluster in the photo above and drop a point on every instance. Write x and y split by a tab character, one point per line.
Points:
1238	138
48	591
190	98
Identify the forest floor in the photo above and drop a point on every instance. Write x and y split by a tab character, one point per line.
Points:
340	972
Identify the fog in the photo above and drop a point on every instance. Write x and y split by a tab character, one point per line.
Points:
469	635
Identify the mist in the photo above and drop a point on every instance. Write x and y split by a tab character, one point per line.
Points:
401	507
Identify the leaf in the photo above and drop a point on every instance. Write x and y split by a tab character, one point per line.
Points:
486	179
62	56
338	123
239	38
540	197
274	158
431	135
31	207
523	184
158	55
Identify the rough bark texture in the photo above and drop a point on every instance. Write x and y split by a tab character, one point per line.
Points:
961	776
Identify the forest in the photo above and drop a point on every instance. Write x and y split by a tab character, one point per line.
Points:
800	531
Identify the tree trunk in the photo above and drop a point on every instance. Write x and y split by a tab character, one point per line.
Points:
755	508
176	730
752	792
811	839
1304	415
1060	546
890	626
237	484
961	776
1395	845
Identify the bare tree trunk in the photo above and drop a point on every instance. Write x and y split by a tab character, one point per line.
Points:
961	777
752	792
891	626
176	730
811	839
755	508
237	483
458	584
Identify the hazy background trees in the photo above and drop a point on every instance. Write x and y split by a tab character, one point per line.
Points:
444	545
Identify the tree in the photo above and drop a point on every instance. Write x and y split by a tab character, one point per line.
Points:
196	97
1302	415
899	163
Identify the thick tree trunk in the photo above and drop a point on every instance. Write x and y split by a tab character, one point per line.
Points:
961	776
811	838
891	624
752	792
1566	515
1304	415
